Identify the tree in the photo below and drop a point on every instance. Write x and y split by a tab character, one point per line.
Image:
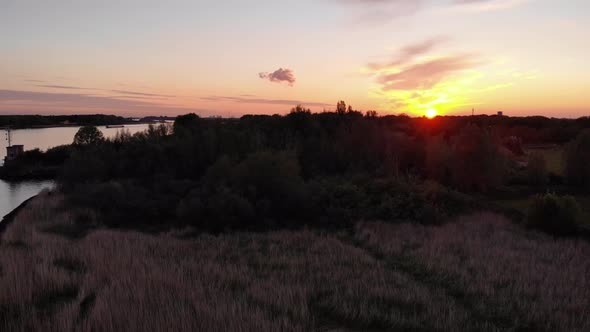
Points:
300	109
477	163
187	124
88	135
438	160
578	161
341	108
371	114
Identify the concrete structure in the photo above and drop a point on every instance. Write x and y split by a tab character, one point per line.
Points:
12	152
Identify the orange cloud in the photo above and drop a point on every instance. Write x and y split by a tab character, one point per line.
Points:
409	53
428	74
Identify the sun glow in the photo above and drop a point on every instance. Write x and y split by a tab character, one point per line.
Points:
431	113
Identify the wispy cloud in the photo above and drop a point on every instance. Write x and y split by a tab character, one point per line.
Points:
279	76
65	87
375	11
419	77
409	53
427	74
264	101
125	92
66	101
382	10
487	5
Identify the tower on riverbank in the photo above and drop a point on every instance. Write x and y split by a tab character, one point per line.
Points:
12	151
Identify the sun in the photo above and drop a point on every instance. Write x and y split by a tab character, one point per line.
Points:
431	113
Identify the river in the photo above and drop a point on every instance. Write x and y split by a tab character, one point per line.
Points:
12	194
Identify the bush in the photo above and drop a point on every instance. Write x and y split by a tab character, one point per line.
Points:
557	215
263	189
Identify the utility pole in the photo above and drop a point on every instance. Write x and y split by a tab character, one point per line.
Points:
8	136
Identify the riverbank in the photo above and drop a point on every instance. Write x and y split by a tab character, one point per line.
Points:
118	126
9	218
28	173
480	272
53	121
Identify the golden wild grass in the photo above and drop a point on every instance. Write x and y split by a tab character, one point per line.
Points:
480	274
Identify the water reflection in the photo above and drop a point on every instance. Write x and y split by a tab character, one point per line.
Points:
45	138
12	194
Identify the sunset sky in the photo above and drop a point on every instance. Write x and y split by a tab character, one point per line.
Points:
231	57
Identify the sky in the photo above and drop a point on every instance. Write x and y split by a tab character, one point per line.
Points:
233	57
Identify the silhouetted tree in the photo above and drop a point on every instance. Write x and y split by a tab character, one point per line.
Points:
187	124
341	107
371	114
438	160
477	163
578	161
88	135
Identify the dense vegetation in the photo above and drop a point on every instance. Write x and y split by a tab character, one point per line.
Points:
36	164
326	169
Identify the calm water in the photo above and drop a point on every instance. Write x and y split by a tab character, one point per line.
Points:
12	194
51	137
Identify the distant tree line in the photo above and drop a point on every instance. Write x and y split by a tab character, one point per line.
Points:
329	168
29	121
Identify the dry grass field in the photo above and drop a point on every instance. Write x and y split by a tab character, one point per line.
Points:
480	273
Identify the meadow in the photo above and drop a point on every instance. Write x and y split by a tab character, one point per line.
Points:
479	272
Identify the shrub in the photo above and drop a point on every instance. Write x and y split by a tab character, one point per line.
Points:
557	215
265	188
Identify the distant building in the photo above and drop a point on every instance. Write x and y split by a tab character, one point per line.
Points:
12	152
500	113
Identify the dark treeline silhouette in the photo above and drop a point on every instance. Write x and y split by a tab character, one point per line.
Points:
260	172
29	121
328	169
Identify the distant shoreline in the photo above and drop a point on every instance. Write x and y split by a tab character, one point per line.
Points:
74	125
17	122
